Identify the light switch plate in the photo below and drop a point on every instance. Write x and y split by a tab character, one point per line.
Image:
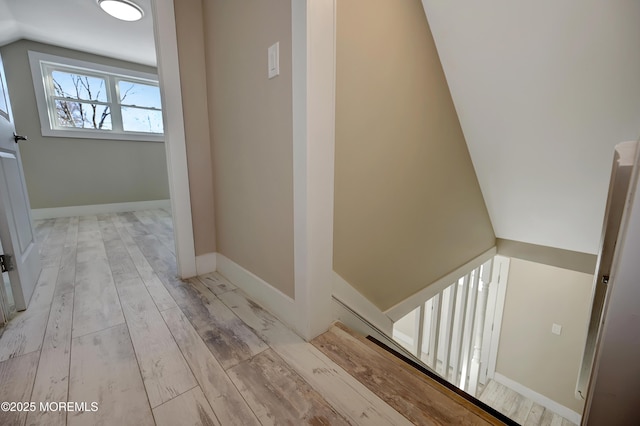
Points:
273	60
556	329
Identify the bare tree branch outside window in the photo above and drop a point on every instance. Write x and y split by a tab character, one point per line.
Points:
79	108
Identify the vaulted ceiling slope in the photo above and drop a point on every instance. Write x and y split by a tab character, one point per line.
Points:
544	90
80	25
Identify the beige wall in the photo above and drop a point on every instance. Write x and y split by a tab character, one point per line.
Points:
251	132
408	207
69	171
537	297
190	34
567	259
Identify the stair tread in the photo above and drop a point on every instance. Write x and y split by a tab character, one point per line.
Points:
413	394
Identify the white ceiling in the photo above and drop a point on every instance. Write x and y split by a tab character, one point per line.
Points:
544	89
80	25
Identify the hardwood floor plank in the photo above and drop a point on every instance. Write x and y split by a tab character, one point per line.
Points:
278	395
488	395
25	331
535	415
547	417
16	381
96	304
42	228
421	400
226	336
508	399
51	248
190	408
52	378
164	369
104	370
122	267
520	409
157	290
158	228
216	283
227	403
556	420
350	397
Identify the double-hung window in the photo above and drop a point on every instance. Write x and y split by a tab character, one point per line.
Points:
87	100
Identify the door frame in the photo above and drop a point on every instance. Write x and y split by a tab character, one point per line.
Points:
164	27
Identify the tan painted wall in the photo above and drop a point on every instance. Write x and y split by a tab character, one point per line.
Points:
408	207
72	172
251	132
567	259
537	297
190	34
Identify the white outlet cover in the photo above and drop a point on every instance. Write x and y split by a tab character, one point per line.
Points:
273	60
556	329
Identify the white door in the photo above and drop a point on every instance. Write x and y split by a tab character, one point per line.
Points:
16	228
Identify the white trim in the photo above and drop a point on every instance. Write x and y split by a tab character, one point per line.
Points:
92	209
538	398
313	101
164	24
404	339
40	64
349	296
269	297
205	263
410	303
501	273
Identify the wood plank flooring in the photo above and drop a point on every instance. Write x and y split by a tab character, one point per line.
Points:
110	323
519	408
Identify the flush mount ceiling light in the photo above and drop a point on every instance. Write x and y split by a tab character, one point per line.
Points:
124	10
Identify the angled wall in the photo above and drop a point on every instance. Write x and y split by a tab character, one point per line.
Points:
408	207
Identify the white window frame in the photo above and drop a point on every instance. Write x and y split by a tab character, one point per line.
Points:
43	64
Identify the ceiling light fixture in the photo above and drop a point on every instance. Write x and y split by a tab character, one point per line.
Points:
124	10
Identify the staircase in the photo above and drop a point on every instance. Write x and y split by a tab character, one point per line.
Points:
417	395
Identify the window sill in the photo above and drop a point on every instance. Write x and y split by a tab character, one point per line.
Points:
96	134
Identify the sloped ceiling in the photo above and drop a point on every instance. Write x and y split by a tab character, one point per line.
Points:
544	90
80	25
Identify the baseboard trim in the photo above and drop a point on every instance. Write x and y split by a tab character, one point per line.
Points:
205	263
55	212
260	291
352	298
538	398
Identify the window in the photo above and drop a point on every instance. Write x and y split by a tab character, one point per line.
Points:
86	100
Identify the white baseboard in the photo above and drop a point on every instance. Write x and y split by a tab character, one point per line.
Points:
263	293
205	263
538	398
55	212
349	296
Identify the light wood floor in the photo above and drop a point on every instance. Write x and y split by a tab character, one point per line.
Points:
109	323
519	408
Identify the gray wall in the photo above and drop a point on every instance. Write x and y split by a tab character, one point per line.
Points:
70	171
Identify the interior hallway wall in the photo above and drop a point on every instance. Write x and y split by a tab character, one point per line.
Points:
193	82
408	206
529	353
250	118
